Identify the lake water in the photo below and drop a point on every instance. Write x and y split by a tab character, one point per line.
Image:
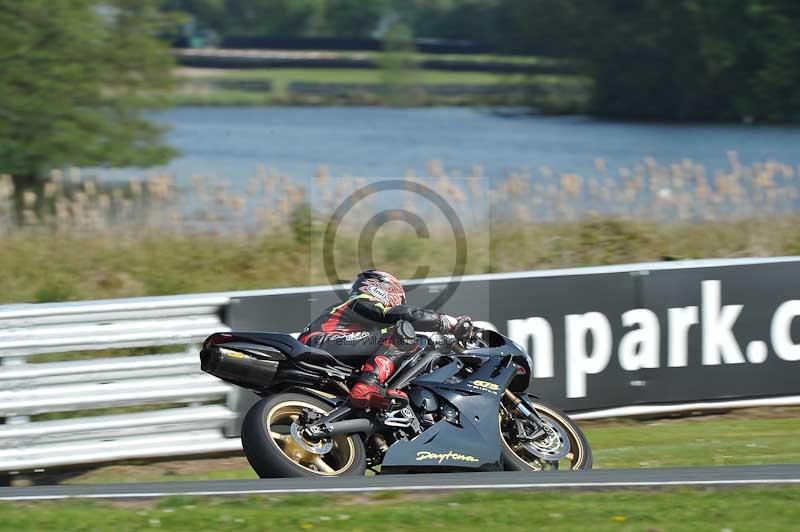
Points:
374	142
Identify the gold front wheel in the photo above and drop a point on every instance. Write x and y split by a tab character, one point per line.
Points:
561	445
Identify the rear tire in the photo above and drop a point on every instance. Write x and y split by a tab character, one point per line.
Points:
274	453
580	454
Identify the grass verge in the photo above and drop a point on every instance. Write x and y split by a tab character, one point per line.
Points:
272	86
739	438
753	437
40	266
681	509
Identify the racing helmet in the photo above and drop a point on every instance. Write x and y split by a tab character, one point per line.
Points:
381	285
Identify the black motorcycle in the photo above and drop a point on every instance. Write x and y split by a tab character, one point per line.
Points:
468	408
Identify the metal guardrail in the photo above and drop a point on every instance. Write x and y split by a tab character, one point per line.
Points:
171	407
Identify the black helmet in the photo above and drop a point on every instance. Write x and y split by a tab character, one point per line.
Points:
381	285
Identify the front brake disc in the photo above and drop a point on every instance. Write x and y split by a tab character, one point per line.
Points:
552	446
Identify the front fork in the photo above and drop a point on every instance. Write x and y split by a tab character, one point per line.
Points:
529	413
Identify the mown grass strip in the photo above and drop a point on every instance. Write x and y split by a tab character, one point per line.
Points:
701	441
749	438
42	267
652	510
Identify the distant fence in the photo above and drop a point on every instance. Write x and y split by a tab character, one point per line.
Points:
430	46
306	88
303	88
617	340
254	58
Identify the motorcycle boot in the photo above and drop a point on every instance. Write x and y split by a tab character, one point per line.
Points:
369	390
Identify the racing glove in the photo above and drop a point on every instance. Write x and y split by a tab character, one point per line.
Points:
458	327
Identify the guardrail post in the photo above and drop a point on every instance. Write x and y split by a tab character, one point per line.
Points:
240	401
14	361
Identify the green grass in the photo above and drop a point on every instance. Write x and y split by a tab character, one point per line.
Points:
223	97
731	439
282	76
703	441
477	58
39	266
228	468
198	86
762	509
484	58
109	353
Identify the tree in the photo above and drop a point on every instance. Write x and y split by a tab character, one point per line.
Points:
399	72
674	59
75	76
475	20
285	18
354	18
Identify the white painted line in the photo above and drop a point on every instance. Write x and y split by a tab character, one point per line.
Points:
631	484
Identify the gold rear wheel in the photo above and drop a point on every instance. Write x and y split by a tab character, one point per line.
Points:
327	457
275	447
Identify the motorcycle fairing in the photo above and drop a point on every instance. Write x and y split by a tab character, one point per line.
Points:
473	444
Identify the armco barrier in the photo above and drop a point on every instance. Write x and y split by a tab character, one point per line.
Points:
73	389
607	341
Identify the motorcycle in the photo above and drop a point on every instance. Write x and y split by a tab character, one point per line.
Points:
468	408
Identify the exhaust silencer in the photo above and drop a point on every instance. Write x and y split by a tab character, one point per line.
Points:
238	368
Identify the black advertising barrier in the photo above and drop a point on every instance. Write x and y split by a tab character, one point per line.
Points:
617	336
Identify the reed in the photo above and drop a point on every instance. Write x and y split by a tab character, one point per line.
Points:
680	192
79	236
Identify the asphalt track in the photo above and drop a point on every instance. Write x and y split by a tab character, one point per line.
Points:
597	479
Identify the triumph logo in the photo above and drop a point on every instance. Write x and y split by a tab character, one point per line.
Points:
589	343
484	386
441	457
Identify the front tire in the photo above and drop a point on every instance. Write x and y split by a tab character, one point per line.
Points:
561	431
274	452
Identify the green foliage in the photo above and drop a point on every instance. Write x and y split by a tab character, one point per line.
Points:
284	18
74	78
475	20
46	266
478	20
650	59
354	18
398	68
676	59
609	241
301	223
54	288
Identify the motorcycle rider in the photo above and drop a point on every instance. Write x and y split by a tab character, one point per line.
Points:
361	325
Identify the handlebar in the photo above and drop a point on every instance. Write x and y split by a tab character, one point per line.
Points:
458	345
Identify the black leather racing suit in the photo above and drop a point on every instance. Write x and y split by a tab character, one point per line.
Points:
359	327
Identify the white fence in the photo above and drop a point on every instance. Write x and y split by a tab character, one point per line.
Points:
192	409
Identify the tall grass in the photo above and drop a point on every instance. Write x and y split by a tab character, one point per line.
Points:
78	236
648	191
